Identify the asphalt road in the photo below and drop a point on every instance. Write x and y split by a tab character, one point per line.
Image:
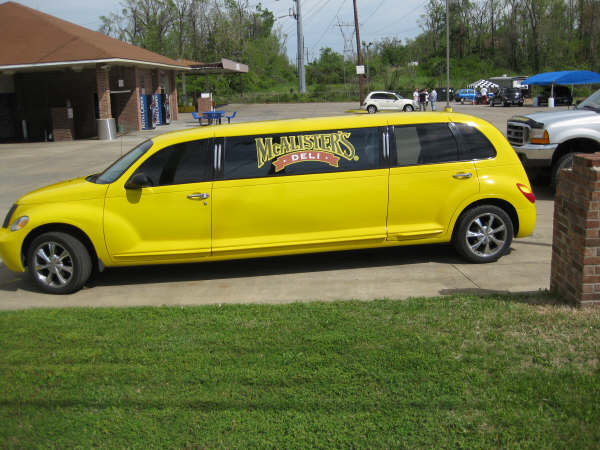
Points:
370	274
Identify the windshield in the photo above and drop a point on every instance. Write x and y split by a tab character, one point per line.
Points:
116	169
592	102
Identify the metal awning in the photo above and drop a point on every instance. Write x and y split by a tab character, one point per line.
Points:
221	67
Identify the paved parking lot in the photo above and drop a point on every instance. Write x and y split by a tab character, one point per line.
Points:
390	273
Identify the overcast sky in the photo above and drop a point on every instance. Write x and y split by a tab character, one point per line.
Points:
378	19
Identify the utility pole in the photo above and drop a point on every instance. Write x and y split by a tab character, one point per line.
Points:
301	78
361	77
348	38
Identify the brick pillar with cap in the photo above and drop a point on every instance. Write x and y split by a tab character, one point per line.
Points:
575	268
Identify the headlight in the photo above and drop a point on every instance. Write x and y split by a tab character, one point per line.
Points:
539	136
19	223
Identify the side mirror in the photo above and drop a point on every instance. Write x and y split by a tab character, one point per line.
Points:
138	181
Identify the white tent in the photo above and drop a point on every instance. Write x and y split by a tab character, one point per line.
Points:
483	83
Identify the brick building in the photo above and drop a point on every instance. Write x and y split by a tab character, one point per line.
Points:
57	78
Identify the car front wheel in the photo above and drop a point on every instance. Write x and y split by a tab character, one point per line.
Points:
483	234
58	263
564	162
371	109
408	108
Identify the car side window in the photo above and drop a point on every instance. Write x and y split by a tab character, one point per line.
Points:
424	144
187	162
302	153
474	145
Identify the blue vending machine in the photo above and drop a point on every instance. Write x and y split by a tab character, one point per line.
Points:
145	113
157	112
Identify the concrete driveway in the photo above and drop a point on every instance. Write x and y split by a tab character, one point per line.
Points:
370	274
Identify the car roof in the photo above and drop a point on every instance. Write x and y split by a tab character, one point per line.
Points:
309	124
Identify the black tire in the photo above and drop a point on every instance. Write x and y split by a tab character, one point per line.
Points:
58	263
408	108
483	234
371	109
564	162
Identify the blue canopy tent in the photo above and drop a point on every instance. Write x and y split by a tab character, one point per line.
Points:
563	77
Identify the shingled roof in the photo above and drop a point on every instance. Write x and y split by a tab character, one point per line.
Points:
30	38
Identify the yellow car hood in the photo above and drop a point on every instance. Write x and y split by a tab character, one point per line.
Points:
65	191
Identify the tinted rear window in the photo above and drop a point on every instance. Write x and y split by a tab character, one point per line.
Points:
425	144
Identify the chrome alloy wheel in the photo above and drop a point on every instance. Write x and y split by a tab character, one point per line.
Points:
486	234
53	264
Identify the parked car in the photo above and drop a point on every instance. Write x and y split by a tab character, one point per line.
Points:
465	95
260	189
507	97
547	140
382	100
442	94
562	96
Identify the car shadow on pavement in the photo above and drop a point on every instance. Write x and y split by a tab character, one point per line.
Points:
280	265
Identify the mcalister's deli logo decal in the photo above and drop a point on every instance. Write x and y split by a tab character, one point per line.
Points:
326	147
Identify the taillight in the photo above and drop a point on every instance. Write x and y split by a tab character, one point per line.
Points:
527	192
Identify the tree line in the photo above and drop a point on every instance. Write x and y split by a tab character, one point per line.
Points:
206	31
487	38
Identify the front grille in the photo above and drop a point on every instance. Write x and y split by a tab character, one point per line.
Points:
7	218
517	134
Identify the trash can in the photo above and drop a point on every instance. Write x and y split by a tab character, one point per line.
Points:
550	102
107	129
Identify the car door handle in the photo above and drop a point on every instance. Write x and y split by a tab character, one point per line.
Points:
462	175
203	196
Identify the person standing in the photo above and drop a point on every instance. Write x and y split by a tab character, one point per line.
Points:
433	98
484	95
416	96
422	100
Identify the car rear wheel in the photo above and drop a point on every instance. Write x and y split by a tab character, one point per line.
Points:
483	234
58	263
408	108
371	109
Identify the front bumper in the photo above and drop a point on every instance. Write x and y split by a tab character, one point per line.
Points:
11	243
535	155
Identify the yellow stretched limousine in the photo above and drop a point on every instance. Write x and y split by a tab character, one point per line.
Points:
279	187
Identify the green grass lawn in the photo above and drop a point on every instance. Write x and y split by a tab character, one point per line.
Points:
472	372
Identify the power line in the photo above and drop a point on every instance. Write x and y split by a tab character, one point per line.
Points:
374	11
329	26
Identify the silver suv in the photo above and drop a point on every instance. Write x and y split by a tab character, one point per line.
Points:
382	100
548	140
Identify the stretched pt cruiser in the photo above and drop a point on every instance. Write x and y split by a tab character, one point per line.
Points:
273	188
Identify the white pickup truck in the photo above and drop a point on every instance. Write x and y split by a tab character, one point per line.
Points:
548	140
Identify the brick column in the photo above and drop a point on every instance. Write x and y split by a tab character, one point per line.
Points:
155	82
575	269
130	117
173	101
103	89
